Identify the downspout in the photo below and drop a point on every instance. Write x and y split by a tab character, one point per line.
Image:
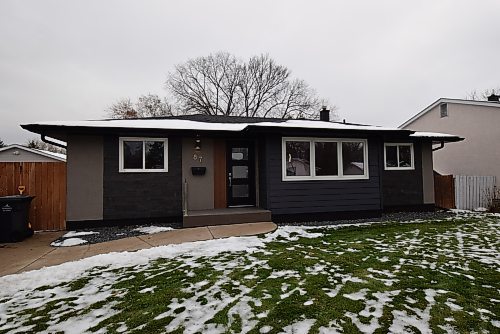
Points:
185	198
439	147
45	140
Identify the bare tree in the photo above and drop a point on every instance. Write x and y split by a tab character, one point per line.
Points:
2	144
221	84
124	108
149	105
207	85
474	95
40	145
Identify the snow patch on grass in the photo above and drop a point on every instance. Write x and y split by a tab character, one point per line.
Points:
299	327
420	319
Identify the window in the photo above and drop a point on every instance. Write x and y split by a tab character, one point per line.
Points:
398	156
443	108
353	162
324	159
143	154
298	158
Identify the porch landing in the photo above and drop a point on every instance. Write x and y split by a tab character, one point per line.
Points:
196	218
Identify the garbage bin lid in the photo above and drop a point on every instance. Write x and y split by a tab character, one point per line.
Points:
14	198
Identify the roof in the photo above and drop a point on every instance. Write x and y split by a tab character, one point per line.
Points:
211	123
48	154
205	123
442	100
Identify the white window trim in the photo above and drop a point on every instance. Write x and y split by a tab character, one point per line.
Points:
312	159
143	140
412	167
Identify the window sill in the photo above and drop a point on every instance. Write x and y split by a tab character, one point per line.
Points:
399	168
325	178
143	170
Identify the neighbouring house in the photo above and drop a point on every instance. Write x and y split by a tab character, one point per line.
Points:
206	170
19	153
476	121
37	173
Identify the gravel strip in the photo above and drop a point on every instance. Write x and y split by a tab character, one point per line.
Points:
116	232
119	232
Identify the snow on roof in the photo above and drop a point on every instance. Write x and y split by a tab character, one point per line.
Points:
432	135
181	124
161	124
57	156
305	124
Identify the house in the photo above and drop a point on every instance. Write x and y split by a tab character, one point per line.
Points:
19	153
476	121
220	169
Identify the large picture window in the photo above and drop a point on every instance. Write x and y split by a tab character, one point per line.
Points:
399	156
324	159
143	154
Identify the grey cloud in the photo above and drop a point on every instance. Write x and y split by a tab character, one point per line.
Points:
379	61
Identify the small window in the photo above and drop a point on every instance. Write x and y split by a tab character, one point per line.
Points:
239	153
444	110
143	155
398	156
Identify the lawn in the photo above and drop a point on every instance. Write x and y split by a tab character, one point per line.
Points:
422	276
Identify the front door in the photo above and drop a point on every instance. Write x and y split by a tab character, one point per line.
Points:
240	173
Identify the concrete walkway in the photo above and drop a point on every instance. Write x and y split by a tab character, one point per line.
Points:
36	252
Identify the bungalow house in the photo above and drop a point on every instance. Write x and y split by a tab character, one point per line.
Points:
477	121
218	169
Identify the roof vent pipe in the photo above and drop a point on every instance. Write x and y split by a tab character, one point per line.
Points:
324	114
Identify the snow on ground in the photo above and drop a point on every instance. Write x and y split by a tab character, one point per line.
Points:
72	234
69	242
237	262
152	229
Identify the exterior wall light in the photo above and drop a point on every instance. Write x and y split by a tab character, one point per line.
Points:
197	144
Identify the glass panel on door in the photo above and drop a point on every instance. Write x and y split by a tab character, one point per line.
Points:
241	178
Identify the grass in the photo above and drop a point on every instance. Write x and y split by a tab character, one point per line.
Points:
438	276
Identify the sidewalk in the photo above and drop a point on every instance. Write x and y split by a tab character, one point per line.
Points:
36	252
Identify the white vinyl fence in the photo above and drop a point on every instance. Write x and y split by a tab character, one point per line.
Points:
472	192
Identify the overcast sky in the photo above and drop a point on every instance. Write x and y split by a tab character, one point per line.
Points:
379	62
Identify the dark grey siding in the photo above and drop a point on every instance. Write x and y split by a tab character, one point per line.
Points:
320	196
142	195
262	176
403	188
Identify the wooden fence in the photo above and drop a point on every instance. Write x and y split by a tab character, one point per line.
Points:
44	180
472	192
444	191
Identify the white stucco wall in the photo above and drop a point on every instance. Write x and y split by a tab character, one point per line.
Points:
479	153
200	187
84	200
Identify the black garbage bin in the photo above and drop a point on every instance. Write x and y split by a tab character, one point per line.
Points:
14	215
